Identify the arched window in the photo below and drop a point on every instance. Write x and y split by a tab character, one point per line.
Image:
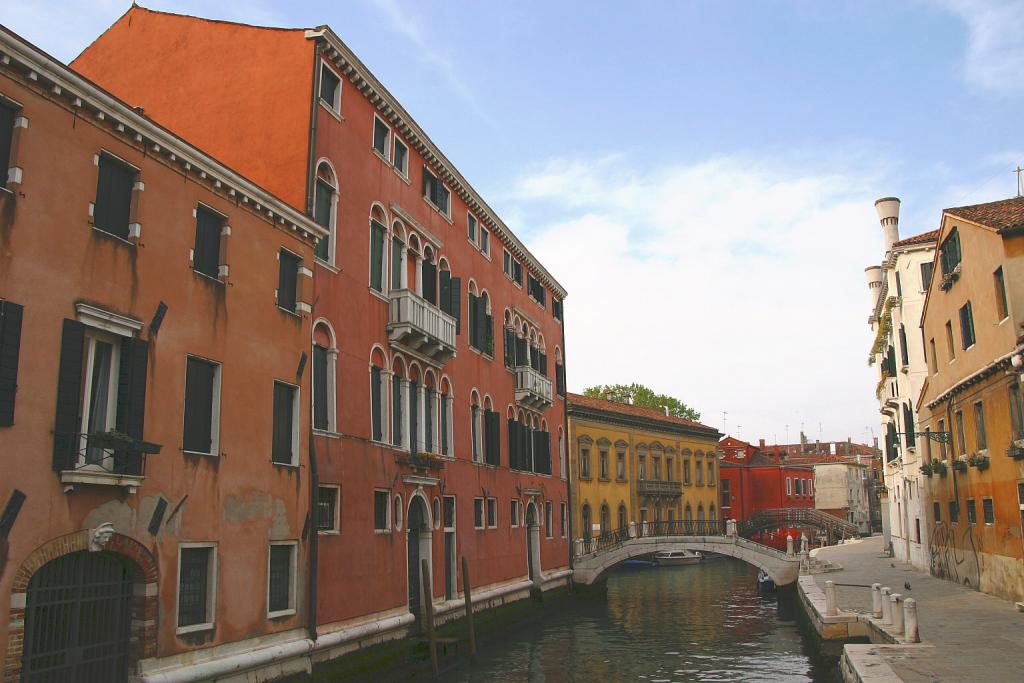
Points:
481	325
606	519
445	434
430	411
686	467
584	446
700	468
559	372
414	418
476	425
378	238
700	512
641	458
509	337
397	256
379	391
586	522
711	472
688	513
325	355
325	210
711	512
623	521
670	465
561	454
428	275
399	385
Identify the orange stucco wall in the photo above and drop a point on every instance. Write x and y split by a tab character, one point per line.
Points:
51	258
204	81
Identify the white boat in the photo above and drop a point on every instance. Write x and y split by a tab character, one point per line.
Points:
671	558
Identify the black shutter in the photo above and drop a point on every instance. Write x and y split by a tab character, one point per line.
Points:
542	452
320	387
288	274
544	364
281	450
396	409
488	329
444	294
206	255
414	427
429	278
535	358
10	345
7	116
375	404
560	378
456	303
513	445
131	390
199	377
556	308
68	420
113	197
427	185
492	437
510	350
521	355
474	328
908	425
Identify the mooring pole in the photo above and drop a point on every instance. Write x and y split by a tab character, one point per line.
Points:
469	607
428	614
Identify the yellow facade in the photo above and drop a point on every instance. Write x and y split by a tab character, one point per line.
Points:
633	465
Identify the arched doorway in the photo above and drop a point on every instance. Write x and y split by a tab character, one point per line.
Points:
533	542
78	619
418	549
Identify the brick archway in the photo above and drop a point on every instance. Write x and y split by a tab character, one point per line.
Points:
144	600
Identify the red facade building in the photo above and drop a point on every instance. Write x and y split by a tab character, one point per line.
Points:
437	342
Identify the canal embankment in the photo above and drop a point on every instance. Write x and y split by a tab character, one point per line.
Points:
963	635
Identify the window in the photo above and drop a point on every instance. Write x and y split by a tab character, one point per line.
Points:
937	511
99	402
449	513
10	345
478	513
327	521
942	444
961	437
604	464
899	285
112	210
381	510
381	137
536	290
699	471
556	309
513	513
926	275
378	237
967	326
377	390
202	406
810	487
401	157
641	469
285	446
972	513
564	520
206	252
980	437
325	212
506	262
481	324
517	272
288	280
435	192
620	466
988	511
323	374
396	410
686	471
471	229
1002	307
485	241
330	88
711	472
197	577
1016	412
584	463
789	486
726	499
8	114
949	253
954	512
280	579
933	360
476	429
549	522
949	340
904	351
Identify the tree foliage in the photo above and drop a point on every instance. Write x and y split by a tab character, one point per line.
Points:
639	395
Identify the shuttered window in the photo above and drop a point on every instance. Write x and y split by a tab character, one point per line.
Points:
376	415
904	351
200	402
444	424
206	253
194	586
10	345
279	589
435	191
330	87
967	325
908	426
320	381
492	437
949	254
282	449
287	281
536	290
428	281
327	509
396	263
7	116
560	378
980	434
401	159
112	209
377	237
429	401
926	275
396	410
380	510
381	134
323	203
1016	402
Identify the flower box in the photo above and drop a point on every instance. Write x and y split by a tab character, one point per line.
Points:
1016	452
979	461
939	467
959	466
926	469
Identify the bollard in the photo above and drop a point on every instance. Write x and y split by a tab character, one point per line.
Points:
803	544
632	529
579	548
789	545
910	631
897	613
730	527
886	605
830	599
876	600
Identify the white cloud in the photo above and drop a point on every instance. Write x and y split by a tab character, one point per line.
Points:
995	48
735	284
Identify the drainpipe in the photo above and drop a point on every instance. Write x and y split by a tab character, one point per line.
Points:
314	540
311	152
570	510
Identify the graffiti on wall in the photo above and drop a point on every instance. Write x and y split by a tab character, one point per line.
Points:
954	555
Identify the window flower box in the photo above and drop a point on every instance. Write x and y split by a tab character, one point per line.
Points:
939	467
1016	452
979	461
926	469
959	466
422	461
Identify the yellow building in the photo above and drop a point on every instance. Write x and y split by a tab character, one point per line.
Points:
632	464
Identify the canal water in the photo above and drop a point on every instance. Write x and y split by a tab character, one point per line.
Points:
704	622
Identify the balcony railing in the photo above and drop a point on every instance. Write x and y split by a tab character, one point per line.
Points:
104	459
648	487
533	390
420	328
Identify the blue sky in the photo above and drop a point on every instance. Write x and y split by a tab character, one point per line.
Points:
699	175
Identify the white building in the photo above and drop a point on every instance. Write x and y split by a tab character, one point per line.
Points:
898	288
841	489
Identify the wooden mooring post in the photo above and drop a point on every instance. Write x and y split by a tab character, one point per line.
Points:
428	614
469	608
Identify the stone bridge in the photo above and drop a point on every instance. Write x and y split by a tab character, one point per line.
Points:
596	556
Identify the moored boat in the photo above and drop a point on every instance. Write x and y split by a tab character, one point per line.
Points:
671	558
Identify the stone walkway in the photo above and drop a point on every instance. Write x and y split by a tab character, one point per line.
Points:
974	636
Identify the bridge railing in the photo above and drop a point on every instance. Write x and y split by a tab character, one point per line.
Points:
610	540
765	519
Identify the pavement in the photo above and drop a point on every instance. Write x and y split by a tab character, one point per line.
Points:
965	635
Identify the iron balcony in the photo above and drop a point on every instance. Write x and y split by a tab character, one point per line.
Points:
420	328
649	487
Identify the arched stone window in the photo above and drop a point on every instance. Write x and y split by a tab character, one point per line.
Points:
688	513
606	519
398	256
623	519
587	520
476	426
399	389
325	209
325	356
446	405
379	392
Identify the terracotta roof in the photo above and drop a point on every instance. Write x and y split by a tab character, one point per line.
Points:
1005	214
924	237
635	411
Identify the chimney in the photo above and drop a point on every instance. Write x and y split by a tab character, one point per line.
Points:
760	443
889	215
874	278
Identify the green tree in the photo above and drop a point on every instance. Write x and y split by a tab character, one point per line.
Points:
639	395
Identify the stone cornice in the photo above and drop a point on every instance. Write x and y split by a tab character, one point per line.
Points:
69	89
389	108
655	425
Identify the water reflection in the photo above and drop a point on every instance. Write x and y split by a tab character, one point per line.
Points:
692	623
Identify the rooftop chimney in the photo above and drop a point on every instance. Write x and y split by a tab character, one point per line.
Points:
889	215
874	277
761	443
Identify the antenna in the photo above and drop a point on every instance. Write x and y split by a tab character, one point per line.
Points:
724	416
1020	186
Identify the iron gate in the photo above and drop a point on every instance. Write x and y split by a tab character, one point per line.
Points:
78	620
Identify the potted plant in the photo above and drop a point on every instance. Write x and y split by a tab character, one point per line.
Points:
926	469
1016	452
960	465
939	467
979	461
111	440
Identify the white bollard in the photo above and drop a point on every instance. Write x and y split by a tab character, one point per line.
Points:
876	600
579	548
830	599
803	544
910	630
789	545
730	527
897	613
886	605
632	529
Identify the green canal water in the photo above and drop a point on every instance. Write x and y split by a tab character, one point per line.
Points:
704	622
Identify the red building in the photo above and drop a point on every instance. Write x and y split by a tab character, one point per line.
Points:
437	336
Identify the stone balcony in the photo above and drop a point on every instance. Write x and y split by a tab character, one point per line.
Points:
420	328
533	390
649	487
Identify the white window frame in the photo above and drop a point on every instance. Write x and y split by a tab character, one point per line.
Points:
336	522
789	486
483	514
215	418
333	107
565	519
514	513
332	389
296	414
211	589
387	512
388	139
291	580
447	214
332	228
455	513
475	237
92	336
400	170
485	240
492	506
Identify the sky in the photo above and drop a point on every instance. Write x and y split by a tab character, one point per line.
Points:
700	176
